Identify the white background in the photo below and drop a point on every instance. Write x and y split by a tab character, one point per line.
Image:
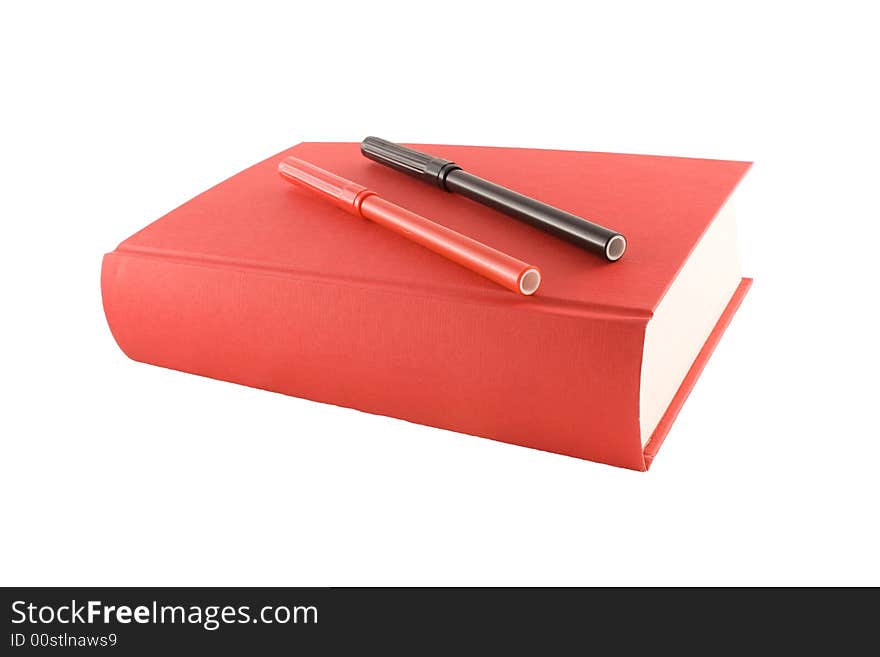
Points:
118	473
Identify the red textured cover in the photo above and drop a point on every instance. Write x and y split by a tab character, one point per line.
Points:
257	282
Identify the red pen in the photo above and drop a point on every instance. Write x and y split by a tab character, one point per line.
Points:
356	199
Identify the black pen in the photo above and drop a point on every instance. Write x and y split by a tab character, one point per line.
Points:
449	176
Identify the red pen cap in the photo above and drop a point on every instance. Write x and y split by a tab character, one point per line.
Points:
341	192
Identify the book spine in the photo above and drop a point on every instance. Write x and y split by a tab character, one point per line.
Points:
552	381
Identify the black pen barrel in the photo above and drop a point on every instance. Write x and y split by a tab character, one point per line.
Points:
565	225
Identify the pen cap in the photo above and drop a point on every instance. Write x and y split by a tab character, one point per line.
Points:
420	165
341	192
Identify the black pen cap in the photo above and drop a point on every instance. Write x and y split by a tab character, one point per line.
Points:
419	165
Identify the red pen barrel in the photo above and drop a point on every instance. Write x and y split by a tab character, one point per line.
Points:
499	267
356	199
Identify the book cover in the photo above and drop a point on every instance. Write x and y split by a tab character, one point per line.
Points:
259	283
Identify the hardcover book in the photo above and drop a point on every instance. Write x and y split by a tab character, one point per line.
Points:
259	283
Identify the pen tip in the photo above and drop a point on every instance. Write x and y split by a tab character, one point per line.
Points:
529	281
615	248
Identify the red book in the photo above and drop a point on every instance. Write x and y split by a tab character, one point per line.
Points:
263	284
